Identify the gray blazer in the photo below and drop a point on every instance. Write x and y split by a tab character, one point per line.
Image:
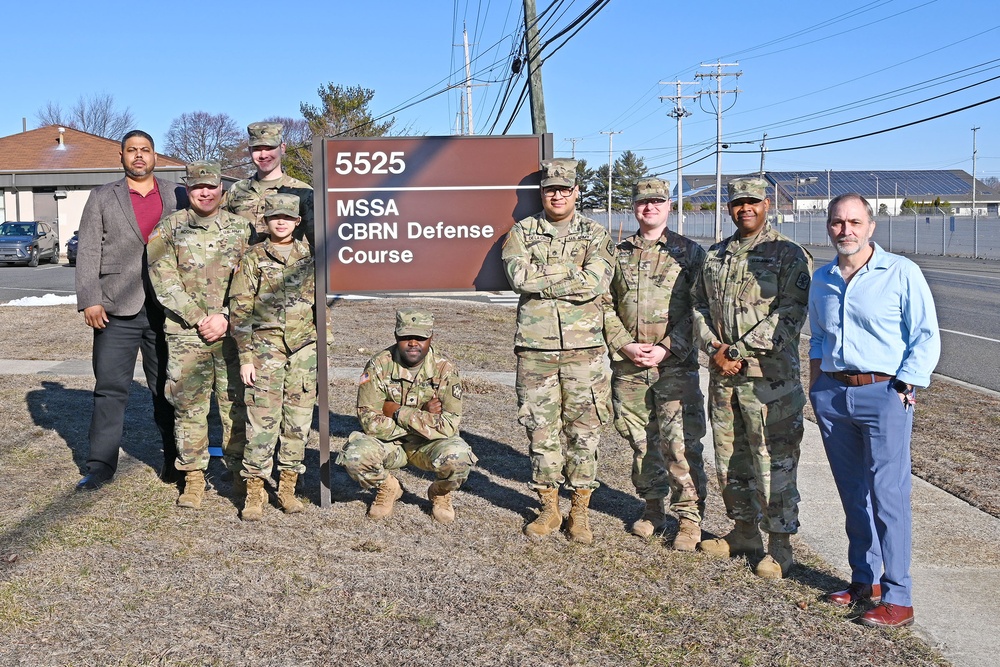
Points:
110	261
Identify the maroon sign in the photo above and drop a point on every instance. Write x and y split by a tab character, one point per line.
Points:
425	213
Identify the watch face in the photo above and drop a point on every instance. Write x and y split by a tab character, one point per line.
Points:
732	354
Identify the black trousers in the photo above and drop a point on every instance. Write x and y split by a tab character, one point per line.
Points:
115	350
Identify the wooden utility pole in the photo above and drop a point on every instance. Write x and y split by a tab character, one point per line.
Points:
679	112
718	74
535	96
611	167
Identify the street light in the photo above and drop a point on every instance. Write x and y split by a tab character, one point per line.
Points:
876	193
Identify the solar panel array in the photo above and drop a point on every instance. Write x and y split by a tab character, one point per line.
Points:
916	185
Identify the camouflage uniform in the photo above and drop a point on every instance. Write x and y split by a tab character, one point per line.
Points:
428	441
273	322
191	261
660	411
562	379
246	197
752	295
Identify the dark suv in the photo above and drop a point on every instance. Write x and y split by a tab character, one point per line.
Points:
28	242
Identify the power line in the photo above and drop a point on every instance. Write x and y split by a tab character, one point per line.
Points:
877	132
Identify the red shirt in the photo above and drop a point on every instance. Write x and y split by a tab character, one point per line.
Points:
148	209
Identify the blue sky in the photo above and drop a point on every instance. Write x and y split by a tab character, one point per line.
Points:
804	66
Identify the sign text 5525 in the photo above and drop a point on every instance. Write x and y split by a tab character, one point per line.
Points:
364	162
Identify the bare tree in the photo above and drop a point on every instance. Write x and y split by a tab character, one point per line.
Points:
200	135
97	114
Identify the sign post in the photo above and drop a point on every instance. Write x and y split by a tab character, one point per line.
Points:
414	214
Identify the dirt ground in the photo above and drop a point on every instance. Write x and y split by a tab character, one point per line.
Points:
124	577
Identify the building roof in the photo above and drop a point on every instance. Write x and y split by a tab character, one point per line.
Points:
41	151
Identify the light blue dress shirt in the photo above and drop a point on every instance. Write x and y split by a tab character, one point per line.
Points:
883	321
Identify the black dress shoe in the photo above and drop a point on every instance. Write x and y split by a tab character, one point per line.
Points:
93	481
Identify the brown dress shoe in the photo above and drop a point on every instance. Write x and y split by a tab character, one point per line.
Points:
856	593
886	615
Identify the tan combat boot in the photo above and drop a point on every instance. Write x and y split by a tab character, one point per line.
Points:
578	522
688	535
286	492
194	489
549	519
778	560
743	540
441	507
253	506
388	493
652	519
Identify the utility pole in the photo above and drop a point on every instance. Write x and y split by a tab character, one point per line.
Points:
975	216
718	74
573	141
536	98
763	149
611	135
468	78
679	112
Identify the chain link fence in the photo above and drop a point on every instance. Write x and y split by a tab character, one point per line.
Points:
935	233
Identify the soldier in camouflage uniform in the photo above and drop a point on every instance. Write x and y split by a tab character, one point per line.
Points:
409	405
273	322
246	197
750	305
192	255
659	407
561	264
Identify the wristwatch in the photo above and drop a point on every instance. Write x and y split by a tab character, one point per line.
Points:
733	354
901	387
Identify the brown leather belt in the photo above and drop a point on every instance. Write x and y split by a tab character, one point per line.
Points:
859	379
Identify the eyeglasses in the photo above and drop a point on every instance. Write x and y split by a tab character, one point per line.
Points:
565	193
657	203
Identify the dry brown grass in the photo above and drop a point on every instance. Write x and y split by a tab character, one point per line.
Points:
123	577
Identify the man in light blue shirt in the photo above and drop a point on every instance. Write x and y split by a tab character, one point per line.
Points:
874	339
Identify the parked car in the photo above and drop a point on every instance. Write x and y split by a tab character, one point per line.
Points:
71	248
28	243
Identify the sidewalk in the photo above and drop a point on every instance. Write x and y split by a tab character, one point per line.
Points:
956	571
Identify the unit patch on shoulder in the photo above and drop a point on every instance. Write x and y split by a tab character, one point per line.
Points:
802	282
364	378
456	391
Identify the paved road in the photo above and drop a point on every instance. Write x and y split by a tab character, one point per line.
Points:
17	282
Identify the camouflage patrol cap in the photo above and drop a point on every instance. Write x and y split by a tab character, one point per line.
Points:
747	188
203	172
265	134
650	188
414	322
560	171
280	203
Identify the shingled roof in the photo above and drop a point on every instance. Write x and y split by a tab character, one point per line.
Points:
40	151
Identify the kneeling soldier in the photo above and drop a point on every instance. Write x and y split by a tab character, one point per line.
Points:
409	404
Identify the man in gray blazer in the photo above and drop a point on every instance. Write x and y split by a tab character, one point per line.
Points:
113	292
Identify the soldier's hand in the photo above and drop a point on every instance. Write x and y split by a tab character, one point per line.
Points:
632	350
433	406
726	367
389	408
656	354
248	374
95	317
213	327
